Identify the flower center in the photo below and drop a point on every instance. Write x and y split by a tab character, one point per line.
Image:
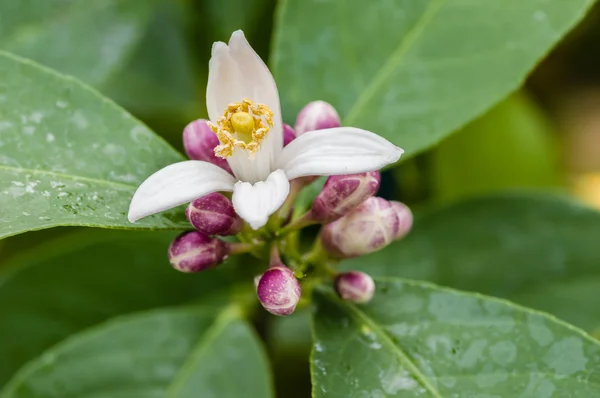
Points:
243	125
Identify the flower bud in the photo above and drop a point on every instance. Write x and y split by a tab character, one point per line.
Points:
371	226
194	251
278	290
340	194
288	134
213	214
316	115
405	218
199	142
354	286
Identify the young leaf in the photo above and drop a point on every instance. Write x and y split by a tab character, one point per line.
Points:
79	280
412	71
537	250
419	340
167	353
88	39
69	156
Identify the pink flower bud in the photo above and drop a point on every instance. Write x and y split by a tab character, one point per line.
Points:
288	134
199	142
213	214
405	218
194	251
354	286
316	115
371	226
278	290
340	194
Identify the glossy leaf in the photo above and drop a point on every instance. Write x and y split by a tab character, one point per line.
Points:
88	39
70	283
226	16
412	71
168	353
537	250
69	156
158	83
419	340
510	146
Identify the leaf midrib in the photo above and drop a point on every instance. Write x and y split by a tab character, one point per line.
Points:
228	315
393	61
71	177
361	317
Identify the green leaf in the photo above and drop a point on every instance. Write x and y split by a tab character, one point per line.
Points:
412	71
510	146
88	39
158	82
537	250
73	282
226	16
169	353
289	340
419	340
69	156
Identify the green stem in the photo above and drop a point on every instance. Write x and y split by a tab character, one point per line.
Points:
295	188
274	258
299	223
239	248
317	253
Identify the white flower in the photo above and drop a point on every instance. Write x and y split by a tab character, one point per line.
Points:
243	106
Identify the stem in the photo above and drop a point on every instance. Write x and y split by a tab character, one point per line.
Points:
295	188
301	222
317	253
328	268
274	258
239	248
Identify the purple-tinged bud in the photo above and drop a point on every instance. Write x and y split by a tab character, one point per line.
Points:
213	214
340	194
371	226
405	219
194	251
316	115
199	142
278	290
288	134
354	286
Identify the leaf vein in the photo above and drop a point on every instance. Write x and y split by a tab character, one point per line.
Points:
386	339
394	60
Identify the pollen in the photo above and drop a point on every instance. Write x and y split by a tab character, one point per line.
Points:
243	125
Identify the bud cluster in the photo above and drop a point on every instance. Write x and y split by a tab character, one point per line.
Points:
354	222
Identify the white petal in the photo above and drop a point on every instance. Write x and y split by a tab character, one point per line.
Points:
237	72
257	169
260	85
225	81
177	184
255	203
342	150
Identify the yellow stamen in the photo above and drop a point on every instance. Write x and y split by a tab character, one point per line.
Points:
243	125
